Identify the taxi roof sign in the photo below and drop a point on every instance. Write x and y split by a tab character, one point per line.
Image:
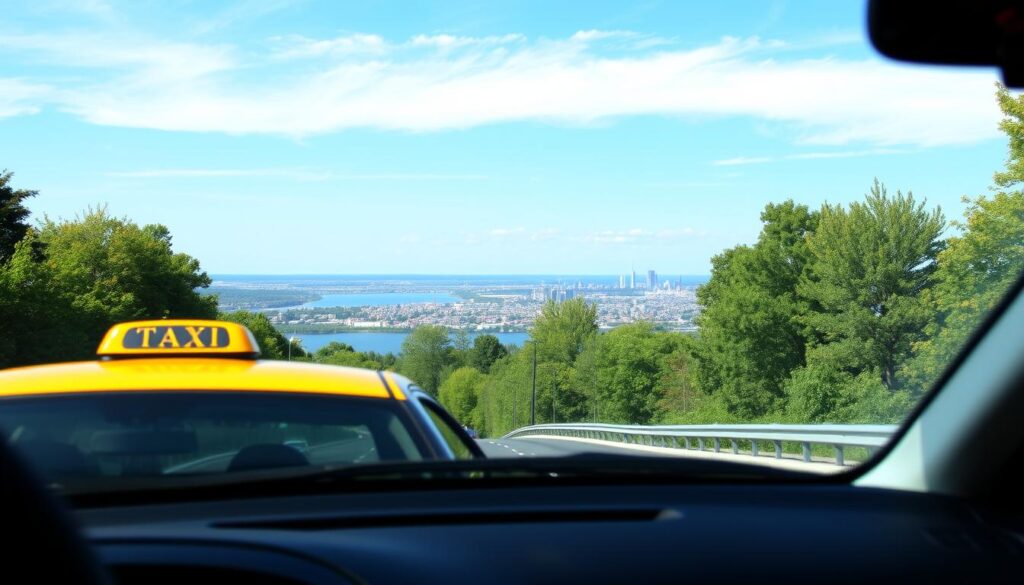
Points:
178	337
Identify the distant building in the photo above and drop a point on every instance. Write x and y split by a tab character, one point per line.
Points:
632	279
622	281
652	280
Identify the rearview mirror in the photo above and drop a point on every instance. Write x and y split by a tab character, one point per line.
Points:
952	32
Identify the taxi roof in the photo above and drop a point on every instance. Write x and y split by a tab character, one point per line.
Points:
185	374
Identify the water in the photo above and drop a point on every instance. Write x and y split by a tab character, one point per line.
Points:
384	341
321	281
379	299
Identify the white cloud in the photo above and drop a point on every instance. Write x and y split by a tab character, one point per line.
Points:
742	160
444	41
638	235
292	47
19	98
297	174
748	160
506	232
441	82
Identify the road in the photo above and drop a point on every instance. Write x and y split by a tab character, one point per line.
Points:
546	448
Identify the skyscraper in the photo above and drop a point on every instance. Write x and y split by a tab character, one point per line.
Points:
632	279
652	280
622	281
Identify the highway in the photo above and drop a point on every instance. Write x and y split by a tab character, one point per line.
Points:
557	447
547	448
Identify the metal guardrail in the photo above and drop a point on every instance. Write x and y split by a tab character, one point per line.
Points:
839	437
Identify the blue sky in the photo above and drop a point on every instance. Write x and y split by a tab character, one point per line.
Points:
277	136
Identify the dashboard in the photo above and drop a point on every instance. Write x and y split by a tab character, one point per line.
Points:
595	533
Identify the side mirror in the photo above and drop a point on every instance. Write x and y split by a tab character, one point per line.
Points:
952	32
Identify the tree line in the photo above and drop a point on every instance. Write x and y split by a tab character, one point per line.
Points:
840	313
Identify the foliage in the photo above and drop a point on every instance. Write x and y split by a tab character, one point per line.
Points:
460	394
13	214
629	369
426	353
98	270
273	344
976	269
562	329
487	349
750	339
871	265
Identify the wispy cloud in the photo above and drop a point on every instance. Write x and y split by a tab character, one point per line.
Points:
742	160
297	174
639	236
506	232
750	160
18	97
441	82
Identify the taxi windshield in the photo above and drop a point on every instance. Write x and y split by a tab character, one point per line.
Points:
691	230
113	436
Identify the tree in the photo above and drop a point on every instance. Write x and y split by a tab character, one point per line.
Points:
462	347
505	394
750	339
629	369
460	394
871	265
487	349
426	353
562	329
13	214
273	344
975	271
98	270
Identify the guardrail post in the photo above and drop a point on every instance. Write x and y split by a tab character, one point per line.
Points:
778	449
686	441
807	452
625	438
753	447
735	447
675	443
839	455
718	444
700	443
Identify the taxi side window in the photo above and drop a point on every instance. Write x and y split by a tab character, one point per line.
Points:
452	437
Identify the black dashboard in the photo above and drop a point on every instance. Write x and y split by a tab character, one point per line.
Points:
611	533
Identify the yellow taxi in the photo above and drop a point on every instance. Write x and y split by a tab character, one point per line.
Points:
190	397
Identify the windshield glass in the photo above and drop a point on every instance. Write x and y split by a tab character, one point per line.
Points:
138	434
724	230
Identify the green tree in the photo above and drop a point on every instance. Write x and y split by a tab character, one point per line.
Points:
562	329
98	270
273	344
975	271
750	339
872	264
462	346
487	349
13	214
1012	125
426	354
505	394
630	367
460	394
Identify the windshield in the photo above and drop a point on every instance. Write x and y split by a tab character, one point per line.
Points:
148	435
725	230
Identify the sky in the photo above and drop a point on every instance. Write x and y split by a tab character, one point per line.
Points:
428	137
